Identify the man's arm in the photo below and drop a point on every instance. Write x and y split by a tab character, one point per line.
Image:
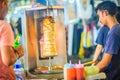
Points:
97	52
105	61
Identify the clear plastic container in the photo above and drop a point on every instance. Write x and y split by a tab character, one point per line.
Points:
19	70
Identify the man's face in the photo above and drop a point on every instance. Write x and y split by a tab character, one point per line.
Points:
102	16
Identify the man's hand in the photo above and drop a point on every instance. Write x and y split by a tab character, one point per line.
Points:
20	51
95	62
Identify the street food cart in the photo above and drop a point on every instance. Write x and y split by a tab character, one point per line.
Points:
37	66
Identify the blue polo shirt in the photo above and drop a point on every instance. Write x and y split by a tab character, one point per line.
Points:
101	38
113	47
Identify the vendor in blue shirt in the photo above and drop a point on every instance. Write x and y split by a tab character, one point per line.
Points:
101	40
111	58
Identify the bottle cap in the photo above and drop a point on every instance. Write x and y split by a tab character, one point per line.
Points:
79	65
17	66
69	65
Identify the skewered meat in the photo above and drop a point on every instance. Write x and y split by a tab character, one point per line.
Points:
49	48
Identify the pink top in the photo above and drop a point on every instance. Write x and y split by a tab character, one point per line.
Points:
6	39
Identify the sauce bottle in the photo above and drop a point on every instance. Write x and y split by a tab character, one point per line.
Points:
80	73
69	71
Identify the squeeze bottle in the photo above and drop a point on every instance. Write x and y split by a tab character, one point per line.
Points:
69	72
80	73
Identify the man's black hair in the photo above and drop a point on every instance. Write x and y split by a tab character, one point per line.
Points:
109	6
118	14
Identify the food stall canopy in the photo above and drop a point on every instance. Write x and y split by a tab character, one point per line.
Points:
41	2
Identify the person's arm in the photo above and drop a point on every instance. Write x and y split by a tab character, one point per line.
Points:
100	44
97	52
105	61
111	48
10	55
